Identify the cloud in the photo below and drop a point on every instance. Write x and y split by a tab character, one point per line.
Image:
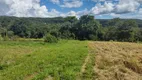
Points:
126	6
98	0
3	8
32	8
83	12
73	13
102	9
23	8
123	6
54	13
72	4
105	0
55	1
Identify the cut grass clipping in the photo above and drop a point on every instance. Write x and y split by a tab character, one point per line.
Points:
117	61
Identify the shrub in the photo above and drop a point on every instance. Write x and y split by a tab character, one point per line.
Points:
5	38
15	38
50	39
92	37
1	38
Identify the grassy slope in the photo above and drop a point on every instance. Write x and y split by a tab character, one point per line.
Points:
35	60
117	60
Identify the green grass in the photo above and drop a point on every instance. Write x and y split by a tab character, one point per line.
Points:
37	60
89	73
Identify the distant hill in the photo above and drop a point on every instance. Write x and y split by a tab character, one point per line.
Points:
85	28
105	21
55	20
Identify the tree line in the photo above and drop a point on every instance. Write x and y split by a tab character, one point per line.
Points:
84	28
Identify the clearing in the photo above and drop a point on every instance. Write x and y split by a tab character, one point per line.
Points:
70	60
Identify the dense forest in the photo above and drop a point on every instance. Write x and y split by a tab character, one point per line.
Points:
84	28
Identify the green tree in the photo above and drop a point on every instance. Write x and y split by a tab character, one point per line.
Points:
87	28
127	31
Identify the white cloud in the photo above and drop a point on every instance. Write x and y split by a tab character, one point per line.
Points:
123	6
104	0
72	13
140	11
98	0
72	4
126	6
23	8
102	9
55	1
77	14
32	8
83	12
54	13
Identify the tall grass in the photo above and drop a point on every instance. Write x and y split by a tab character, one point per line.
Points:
39	61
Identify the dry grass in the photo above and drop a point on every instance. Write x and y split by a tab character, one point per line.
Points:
117	60
31	76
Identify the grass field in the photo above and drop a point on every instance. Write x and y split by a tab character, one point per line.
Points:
70	60
35	60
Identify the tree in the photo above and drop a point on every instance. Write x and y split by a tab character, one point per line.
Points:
116	22
110	33
71	19
86	28
138	35
127	31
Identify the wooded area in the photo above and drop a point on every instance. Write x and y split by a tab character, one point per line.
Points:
85	28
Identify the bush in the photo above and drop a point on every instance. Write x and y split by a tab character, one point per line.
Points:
92	37
15	38
5	38
50	39
1	38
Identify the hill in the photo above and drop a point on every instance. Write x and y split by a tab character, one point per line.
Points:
104	22
84	28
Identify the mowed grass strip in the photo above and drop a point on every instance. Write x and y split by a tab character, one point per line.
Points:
87	71
117	60
26	60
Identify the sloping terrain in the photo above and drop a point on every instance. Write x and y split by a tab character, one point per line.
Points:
117	60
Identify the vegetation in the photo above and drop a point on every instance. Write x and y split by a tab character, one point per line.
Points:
26	52
35	60
84	28
1	38
50	39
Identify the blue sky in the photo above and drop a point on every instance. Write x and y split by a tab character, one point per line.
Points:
101	9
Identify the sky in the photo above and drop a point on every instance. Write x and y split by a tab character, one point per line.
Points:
101	9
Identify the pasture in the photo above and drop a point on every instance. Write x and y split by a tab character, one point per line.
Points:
35	60
70	60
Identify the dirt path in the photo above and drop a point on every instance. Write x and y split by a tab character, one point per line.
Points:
117	61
